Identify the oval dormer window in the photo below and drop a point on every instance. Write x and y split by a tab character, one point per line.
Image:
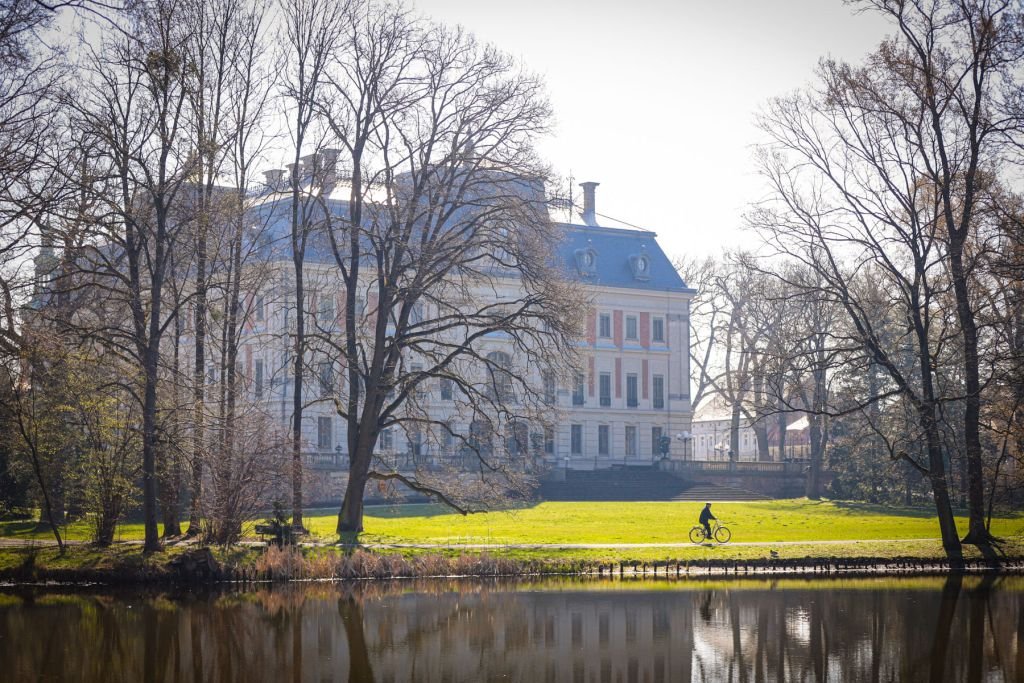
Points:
641	264
588	259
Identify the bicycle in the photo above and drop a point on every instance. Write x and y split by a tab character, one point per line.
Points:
719	532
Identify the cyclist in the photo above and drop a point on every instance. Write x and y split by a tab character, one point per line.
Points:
705	519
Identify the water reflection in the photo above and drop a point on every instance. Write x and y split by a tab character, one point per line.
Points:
865	630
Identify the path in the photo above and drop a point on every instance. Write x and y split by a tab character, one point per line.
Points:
46	543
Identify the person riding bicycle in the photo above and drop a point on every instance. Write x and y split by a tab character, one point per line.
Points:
705	519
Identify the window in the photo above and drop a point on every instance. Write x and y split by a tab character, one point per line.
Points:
324	437
258	378
516	438
325	312
631	396
549	388
605	386
658	389
258	308
577	391
414	441
658	329
501	379
446	389
630	441
602	439
415	375
656	433
449	436
416	314
604	327
576	439
549	440
326	374
631	327
387	439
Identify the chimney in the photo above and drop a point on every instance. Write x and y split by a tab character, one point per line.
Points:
274	177
589	212
294	171
311	164
329	159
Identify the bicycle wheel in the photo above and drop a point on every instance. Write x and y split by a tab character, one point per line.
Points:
697	535
722	535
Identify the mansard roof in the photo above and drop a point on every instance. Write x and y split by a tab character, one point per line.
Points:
617	257
602	256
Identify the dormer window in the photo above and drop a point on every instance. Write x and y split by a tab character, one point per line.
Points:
640	264
586	261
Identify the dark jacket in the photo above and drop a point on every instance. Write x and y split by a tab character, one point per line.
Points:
706	515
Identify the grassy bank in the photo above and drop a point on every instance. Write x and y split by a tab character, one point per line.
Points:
126	564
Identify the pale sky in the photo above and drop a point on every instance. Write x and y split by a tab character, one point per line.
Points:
655	99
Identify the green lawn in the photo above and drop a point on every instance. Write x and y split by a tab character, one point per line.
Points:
612	522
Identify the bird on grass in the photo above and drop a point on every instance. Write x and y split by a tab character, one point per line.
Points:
774	554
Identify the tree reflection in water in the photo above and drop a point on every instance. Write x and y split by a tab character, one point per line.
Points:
968	629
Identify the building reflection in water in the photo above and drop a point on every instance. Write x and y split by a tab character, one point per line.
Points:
857	630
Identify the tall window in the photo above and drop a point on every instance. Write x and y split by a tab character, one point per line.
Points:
576	439
500	377
631	395
604	326
577	390
656	434
658	389
325	310
549	440
258	378
387	439
549	388
414	440
630	441
658	329
324	436
416	369
446	389
326	374
602	439
605	386
631	327
258	307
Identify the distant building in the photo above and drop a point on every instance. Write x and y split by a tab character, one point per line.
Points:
712	431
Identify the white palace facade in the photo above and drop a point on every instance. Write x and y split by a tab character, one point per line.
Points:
633	389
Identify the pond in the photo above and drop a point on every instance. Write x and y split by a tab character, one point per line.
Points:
922	629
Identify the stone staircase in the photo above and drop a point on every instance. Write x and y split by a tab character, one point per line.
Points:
637	484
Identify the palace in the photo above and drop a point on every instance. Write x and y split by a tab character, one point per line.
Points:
630	405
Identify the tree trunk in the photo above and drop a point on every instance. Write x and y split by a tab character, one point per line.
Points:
977	533
761	433
940	491
813	489
199	386
300	330
734	432
781	455
350	518
149	449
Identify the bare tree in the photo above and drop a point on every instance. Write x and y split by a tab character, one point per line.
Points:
134	115
312	27
851	215
440	239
